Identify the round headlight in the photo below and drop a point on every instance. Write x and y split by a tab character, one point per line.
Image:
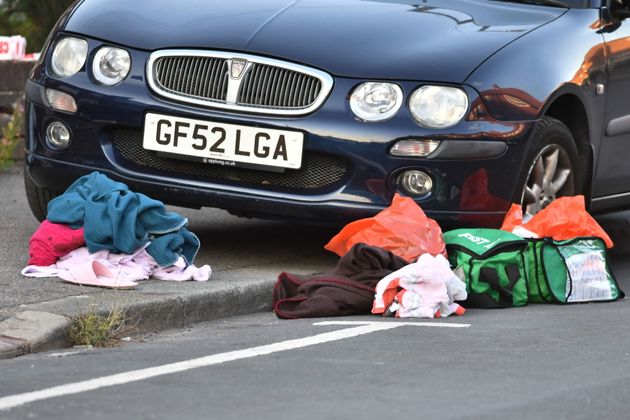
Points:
375	101
111	65
438	106
69	56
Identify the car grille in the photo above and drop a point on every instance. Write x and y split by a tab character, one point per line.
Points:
278	88
319	171
195	77
264	85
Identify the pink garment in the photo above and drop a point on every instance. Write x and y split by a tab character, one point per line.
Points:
51	241
138	266
94	274
424	289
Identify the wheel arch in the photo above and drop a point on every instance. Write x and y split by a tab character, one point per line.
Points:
572	112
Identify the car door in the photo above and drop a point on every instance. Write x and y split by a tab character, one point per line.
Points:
612	174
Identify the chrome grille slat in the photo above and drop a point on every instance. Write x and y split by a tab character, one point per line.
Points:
268	86
287	92
274	83
216	68
172	65
298	89
223	73
204	77
307	90
181	78
302	92
285	87
312	89
255	86
196	79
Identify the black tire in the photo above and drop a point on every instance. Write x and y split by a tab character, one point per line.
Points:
552	168
38	197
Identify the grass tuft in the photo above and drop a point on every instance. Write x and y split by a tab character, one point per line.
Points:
92	329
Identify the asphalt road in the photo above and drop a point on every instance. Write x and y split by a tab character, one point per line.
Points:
538	362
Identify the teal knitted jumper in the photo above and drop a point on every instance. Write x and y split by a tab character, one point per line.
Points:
119	220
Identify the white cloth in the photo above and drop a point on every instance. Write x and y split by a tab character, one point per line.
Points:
424	289
134	267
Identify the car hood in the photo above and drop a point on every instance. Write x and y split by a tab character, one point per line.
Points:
437	40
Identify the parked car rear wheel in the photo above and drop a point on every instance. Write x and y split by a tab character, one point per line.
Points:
38	197
553	168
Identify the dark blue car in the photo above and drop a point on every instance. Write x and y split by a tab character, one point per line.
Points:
322	110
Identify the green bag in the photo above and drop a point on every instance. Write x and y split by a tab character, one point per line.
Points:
493	266
571	271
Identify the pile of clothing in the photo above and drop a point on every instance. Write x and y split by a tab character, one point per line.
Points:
392	264
99	233
395	264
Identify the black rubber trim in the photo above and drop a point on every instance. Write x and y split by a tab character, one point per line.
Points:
468	149
36	93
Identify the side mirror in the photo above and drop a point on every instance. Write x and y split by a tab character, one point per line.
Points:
618	9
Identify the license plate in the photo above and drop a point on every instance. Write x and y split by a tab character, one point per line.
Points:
213	142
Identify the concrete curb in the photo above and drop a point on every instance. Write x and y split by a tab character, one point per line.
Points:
42	326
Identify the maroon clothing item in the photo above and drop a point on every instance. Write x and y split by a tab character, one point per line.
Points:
347	290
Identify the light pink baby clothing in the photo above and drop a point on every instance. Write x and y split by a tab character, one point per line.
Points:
138	266
427	288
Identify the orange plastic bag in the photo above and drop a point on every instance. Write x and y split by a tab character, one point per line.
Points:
402	228
564	218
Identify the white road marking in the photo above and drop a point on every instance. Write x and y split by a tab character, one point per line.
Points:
396	324
13	401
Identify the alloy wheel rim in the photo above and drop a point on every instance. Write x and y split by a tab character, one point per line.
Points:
549	177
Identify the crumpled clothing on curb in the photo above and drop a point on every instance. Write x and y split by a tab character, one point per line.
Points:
427	288
119	220
137	266
346	290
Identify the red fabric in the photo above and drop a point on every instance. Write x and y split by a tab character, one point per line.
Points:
393	287
51	241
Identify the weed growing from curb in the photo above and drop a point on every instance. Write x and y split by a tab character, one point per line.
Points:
92	329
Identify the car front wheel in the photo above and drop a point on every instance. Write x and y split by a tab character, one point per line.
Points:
552	168
38	197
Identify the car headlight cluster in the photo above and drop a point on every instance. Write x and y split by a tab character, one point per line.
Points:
110	65
69	56
373	101
432	106
438	106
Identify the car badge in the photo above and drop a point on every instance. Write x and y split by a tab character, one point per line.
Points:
236	68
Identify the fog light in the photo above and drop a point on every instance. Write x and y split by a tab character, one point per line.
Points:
61	101
57	135
415	182
416	148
